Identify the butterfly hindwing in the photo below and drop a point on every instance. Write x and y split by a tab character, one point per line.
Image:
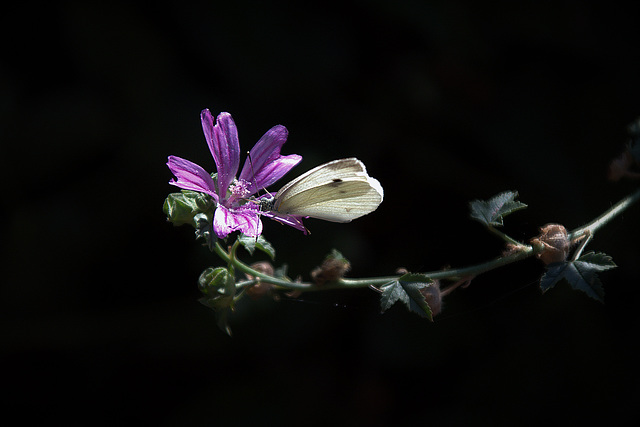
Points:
338	191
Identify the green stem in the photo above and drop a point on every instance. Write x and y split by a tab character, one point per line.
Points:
240	266
503	236
451	274
614	211
522	252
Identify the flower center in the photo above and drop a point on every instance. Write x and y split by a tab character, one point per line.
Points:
239	189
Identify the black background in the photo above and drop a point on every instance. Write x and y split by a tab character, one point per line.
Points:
444	101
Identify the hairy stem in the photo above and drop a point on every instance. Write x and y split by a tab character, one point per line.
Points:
240	266
603	219
503	236
521	252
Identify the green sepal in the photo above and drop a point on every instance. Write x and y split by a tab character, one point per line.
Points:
219	288
407	289
581	274
182	207
204	229
491	212
260	243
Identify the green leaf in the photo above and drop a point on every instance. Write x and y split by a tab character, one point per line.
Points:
581	274
491	212
260	243
407	290
181	208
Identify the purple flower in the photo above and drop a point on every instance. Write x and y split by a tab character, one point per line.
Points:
234	211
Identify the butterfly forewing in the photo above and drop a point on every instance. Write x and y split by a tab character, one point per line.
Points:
338	201
324	173
338	191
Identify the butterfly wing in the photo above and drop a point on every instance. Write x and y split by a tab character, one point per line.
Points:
338	191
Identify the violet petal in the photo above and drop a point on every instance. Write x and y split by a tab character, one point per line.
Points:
222	139
265	151
273	171
191	176
226	221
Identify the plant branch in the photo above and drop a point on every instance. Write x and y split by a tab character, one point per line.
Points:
603	219
522	252
240	266
503	236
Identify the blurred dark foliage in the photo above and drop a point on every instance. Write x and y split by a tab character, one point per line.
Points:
444	101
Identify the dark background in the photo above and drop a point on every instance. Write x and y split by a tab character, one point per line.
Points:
444	101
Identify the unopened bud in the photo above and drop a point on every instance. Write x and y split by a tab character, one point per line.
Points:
332	269
261	288
555	242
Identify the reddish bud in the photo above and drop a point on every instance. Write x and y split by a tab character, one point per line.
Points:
555	242
332	269
260	289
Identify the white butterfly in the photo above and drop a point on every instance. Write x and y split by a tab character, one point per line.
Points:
338	191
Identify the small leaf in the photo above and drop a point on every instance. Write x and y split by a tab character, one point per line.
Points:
552	276
182	207
260	243
491	212
581	274
597	261
391	293
265	246
407	289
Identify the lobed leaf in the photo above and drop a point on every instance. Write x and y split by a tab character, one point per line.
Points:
491	212
407	290
581	274
260	243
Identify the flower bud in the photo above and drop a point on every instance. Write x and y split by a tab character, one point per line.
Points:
213	281
332	269
260	289
555	242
